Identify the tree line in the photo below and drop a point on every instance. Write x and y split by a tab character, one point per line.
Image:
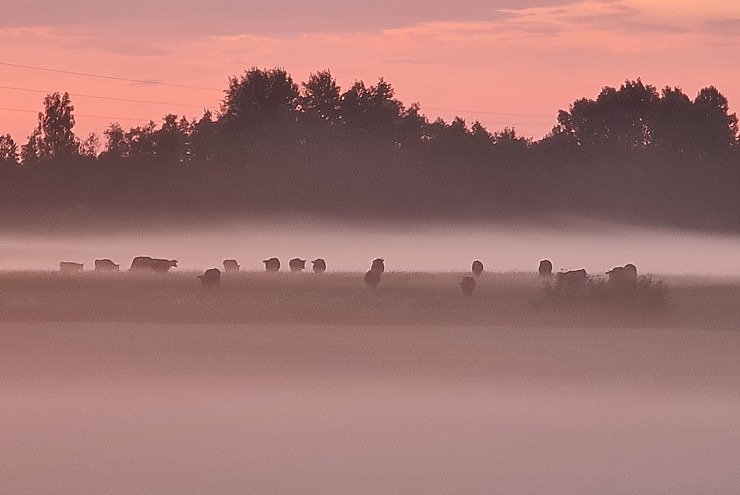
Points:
276	146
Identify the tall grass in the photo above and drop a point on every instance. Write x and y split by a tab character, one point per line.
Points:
343	298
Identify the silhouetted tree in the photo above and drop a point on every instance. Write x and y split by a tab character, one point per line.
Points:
116	144
204	138
172	141
90	146
8	150
259	97
320	97
717	129
371	108
57	139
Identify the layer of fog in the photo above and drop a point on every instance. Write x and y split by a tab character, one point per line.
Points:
347	247
115	408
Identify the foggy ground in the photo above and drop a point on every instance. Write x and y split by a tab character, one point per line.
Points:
297	383
225	409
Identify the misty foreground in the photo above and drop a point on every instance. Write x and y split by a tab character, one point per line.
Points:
342	298
110	385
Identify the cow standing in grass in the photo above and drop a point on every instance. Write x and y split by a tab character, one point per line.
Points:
211	278
319	265
378	265
297	265
272	264
477	268
155	265
70	267
231	266
106	265
572	280
623	277
545	269
372	278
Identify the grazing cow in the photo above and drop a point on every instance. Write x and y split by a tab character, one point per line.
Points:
272	264
297	265
468	285
149	264
231	266
378	265
372	278
623	276
477	268
572	280
106	265
70	267
211	278
319	265
545	269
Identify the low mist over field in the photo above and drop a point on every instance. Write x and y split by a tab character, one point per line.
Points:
513	246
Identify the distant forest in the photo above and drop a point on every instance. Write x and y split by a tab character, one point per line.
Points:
634	153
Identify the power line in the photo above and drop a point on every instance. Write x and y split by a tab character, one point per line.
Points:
112	98
79	115
103	76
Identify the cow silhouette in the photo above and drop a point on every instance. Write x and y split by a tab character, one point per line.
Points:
106	265
297	265
272	264
319	265
149	264
231	266
372	278
477	268
545	269
211	278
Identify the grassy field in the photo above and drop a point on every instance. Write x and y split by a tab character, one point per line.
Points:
342	298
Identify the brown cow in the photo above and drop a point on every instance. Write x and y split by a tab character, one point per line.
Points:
319	265
623	276
477	268
545	269
378	265
106	265
70	267
272	264
372	278
231	266
297	265
211	278
149	264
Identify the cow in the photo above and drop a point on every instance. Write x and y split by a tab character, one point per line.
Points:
623	276
106	265
572	280
231	266
211	278
319	265
70	267
149	264
545	269
378	265
297	265
477	268
372	278
272	264
468	285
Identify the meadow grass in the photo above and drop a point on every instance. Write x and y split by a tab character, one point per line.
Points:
403	298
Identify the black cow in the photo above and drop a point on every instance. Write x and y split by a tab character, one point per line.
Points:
319	265
149	264
378	265
211	278
545	269
372	278
297	265
272	264
623	276
477	268
106	265
231	266
70	267
468	285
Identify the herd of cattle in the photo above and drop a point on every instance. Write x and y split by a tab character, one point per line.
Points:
569	281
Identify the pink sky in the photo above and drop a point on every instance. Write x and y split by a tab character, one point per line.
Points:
503	62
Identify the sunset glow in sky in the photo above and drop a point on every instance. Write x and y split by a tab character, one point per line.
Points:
502	62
